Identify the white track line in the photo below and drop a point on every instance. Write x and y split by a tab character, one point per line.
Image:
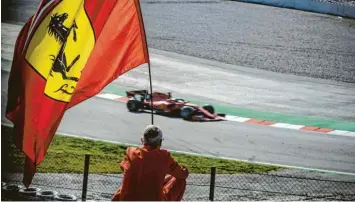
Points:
342	133
109	96
244	119
281	125
295	127
236	118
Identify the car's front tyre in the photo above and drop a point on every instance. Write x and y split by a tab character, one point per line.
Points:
187	112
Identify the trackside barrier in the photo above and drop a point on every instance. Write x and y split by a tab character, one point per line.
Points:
316	6
214	186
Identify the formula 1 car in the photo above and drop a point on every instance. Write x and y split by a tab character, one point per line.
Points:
165	104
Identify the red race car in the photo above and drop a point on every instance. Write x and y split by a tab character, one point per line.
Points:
165	104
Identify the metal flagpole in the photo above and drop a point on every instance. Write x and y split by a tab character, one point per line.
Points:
150	74
151	92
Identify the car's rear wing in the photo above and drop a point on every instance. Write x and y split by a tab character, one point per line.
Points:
135	92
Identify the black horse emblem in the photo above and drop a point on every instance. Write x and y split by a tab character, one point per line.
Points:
61	34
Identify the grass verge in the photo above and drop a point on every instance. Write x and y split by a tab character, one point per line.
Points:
66	155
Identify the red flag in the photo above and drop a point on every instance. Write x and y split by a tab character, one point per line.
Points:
66	53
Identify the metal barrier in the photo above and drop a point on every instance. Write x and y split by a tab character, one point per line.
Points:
317	6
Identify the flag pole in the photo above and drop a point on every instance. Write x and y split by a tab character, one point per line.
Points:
150	74
151	91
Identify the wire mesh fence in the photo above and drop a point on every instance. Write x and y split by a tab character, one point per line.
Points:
286	186
63	178
103	180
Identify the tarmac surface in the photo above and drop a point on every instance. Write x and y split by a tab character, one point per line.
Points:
109	120
249	35
215	82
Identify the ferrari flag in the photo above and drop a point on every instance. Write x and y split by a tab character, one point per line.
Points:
66	53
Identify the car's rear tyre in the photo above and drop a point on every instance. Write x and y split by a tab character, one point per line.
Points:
187	112
209	108
133	105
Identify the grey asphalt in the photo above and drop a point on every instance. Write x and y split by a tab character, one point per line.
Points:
250	35
257	36
110	120
198	79
209	81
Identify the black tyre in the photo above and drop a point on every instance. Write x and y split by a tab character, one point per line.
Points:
186	112
133	105
46	195
209	108
65	197
29	191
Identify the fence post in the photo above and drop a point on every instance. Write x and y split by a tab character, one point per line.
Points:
212	182
86	173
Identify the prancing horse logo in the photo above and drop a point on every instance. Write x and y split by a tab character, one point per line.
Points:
61	34
60	46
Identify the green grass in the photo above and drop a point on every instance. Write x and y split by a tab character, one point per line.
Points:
66	155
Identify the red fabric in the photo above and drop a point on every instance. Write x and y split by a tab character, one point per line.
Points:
119	46
99	11
144	176
174	188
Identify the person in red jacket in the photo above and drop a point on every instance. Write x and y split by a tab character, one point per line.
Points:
151	173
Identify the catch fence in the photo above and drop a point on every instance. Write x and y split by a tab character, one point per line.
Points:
95	182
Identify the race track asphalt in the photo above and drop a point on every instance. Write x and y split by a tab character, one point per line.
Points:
210	81
109	120
249	35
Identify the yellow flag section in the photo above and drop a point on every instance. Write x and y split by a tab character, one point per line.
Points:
60	48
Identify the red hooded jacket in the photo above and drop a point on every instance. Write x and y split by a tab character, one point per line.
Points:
144	170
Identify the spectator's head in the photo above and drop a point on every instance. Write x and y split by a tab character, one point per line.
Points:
152	136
